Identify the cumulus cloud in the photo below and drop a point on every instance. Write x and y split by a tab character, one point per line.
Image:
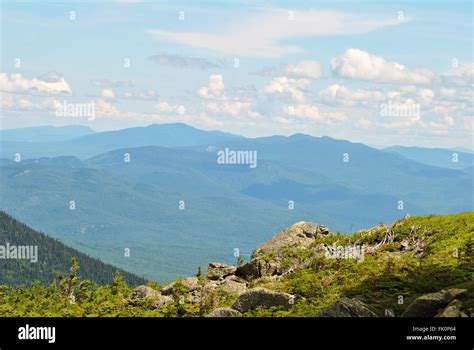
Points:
51	77
49	84
462	76
183	61
217	101
362	65
214	88
232	108
309	114
165	107
262	35
14	102
338	94
105	109
287	87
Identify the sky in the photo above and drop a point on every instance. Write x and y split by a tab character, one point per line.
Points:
381	73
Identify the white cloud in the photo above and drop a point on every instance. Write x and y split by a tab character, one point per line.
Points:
462	76
106	83
362	65
261	36
217	101
165	107
141	95
426	95
107	93
106	109
303	69
12	102
214	88
180	61
287	87
16	83
446	92
232	108
338	94
304	113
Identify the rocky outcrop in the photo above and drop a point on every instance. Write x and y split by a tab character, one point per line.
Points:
429	305
233	285
346	307
267	260
160	301
189	284
144	292
224	312
294	250
454	309
218	271
141	292
262	297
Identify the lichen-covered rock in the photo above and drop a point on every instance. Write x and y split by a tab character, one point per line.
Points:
233	285
268	259
224	312
144	292
218	271
262	297
141	292
160	301
346	307
190	284
429	305
454	309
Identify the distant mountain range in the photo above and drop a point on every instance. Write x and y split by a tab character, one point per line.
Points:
91	144
45	133
444	158
52	257
127	187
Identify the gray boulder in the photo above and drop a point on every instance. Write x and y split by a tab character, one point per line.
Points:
454	309
346	307
190	284
267	260
144	292
262	297
218	271
429	305
160	301
224	312
141	292
233	285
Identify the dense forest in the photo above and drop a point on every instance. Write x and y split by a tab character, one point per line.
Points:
53	258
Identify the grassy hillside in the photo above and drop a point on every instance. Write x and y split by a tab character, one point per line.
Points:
53	258
438	255
448	262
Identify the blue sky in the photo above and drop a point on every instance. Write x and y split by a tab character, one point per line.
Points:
322	68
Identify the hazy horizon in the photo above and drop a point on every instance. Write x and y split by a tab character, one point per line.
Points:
368	74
